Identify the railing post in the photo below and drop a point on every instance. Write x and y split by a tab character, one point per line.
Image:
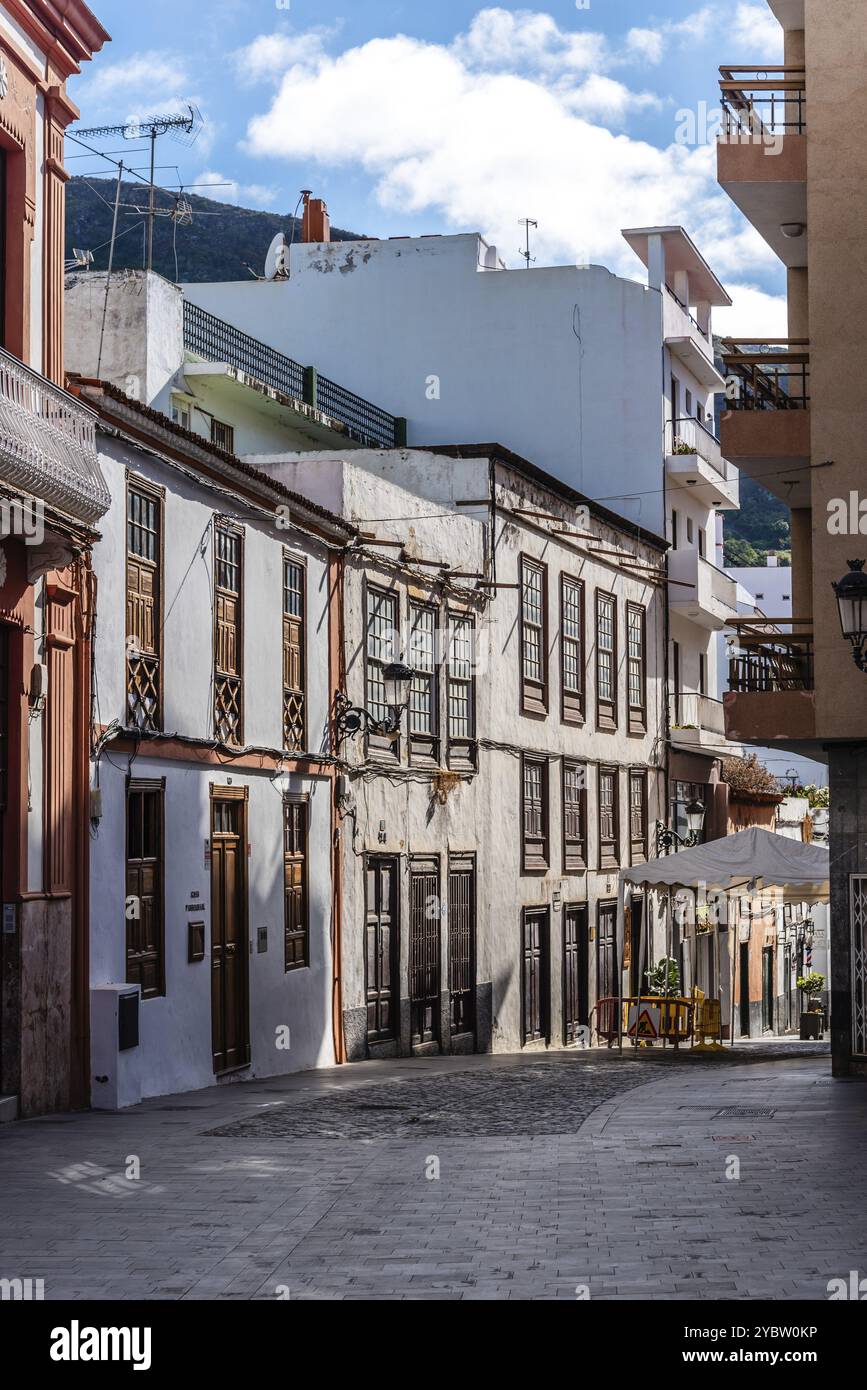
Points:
310	386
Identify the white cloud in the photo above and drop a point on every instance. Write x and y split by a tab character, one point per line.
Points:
483	147
226	190
269	56
152	74
648	44
754	27
499	38
754	313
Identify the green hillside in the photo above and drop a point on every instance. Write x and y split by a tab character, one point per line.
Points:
762	526
219	244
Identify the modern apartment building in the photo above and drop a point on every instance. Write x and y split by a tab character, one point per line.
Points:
52	496
797	424
606	383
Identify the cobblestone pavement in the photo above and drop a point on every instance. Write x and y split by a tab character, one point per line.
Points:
556	1172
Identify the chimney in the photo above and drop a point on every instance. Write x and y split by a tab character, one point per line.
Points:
316	226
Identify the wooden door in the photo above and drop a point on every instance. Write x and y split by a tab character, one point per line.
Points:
744	973
230	1011
424	952
576	983
535	975
606	952
381	935
462	945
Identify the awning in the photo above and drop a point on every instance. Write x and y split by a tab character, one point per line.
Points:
799	871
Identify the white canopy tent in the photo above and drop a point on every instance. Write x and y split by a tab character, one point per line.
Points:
749	862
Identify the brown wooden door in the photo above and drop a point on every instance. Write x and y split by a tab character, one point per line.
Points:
606	952
576	957
424	952
381	931
462	946
535	975
230	1013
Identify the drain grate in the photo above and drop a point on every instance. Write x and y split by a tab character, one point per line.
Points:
744	1112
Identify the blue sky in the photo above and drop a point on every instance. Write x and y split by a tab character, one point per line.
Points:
453	116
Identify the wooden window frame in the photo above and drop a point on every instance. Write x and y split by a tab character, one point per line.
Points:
424	746
637	712
148	664
534	693
606	710
141	786
573	702
385	748
295	696
638	845
609	858
575	857
536	850
462	751
302	933
229	528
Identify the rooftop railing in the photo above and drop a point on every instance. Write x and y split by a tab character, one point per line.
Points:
214	340
758	102
762	375
48	443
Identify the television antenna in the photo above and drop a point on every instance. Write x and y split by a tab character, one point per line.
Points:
527	223
181	126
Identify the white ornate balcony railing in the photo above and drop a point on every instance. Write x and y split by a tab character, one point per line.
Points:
48	443
689	436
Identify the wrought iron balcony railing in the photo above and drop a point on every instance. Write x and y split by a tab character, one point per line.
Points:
762	375
214	340
761	102
48	443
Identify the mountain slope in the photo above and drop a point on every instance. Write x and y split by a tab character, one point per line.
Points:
219	244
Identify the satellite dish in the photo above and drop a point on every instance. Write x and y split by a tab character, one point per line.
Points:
277	259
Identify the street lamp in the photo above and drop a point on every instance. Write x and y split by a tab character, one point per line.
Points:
668	840
851	592
397	682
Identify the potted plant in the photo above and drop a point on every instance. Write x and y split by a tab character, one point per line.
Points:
663	978
812	1019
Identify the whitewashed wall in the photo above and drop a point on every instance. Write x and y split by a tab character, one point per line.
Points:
175	1049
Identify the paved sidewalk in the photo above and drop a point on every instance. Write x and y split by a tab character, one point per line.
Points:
557	1172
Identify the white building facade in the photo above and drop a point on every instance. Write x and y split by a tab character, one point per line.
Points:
605	383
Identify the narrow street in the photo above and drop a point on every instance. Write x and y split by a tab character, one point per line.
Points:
559	1176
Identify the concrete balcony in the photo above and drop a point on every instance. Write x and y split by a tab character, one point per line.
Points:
762	153
260	380
48	444
694	459
697	590
688	338
765	430
696	722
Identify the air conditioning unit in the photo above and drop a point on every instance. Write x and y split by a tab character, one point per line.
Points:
115	1064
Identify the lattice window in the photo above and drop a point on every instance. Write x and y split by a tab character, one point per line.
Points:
572	634
294	673
462	634
228	638
532	623
859	964
143	609
535	813
635	655
574	814
608	818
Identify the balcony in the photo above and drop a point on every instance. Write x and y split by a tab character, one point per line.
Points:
771	696
688	339
766	428
697	722
694	459
290	393
48	444
762	153
698	591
